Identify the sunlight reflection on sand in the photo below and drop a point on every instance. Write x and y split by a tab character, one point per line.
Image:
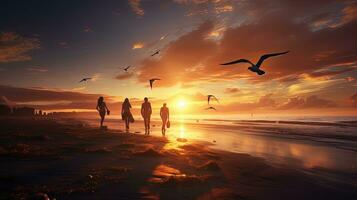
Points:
273	148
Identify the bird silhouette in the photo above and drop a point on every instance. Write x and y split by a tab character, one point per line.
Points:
152	81
126	68
84	80
156	53
209	98
210	108
255	67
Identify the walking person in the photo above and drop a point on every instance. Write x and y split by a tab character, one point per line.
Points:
102	109
165	117
146	114
126	113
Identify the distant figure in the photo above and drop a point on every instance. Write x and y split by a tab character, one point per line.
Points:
146	114
151	81
165	117
156	53
102	109
125	113
210	108
84	80
126	68
256	67
209	98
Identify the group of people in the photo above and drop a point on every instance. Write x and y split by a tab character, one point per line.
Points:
128	118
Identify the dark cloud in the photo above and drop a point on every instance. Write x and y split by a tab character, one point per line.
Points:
308	102
136	7
14	47
53	99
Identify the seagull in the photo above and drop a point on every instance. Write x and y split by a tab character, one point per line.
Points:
126	69
156	53
153	80
85	79
210	108
255	67
211	96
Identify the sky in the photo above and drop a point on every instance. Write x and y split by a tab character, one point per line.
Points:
46	48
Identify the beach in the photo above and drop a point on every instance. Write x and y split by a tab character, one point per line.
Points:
74	159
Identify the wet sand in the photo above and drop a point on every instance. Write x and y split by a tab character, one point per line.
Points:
68	159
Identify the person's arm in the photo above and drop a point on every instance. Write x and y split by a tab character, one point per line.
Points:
142	110
168	114
122	108
97	107
150	110
161	112
106	107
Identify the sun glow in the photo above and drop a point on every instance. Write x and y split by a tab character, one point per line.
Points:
181	104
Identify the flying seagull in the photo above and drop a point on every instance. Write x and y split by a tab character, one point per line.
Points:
85	79
152	81
211	96
156	53
126	68
210	108
255	67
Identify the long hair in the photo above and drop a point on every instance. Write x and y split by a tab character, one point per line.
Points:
100	101
127	103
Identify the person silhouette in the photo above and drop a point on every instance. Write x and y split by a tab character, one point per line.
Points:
125	113
102	109
146	114
165	116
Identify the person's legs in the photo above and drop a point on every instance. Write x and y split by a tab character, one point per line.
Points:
101	120
163	128
127	123
145	122
148	124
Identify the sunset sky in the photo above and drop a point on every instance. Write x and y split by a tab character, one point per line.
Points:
46	48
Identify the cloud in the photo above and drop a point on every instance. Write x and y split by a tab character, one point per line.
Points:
191	1
87	29
63	44
231	90
136	7
138	45
180	62
124	76
223	8
264	102
96	77
194	58
37	69
43	98
331	72
14	48
308	102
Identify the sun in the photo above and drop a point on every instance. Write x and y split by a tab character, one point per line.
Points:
181	104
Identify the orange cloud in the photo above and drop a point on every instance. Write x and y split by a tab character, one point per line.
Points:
14	47
231	90
124	76
136	7
37	69
138	45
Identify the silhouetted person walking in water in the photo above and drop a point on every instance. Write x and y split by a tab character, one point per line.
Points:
102	109
146	114
126	114
165	116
